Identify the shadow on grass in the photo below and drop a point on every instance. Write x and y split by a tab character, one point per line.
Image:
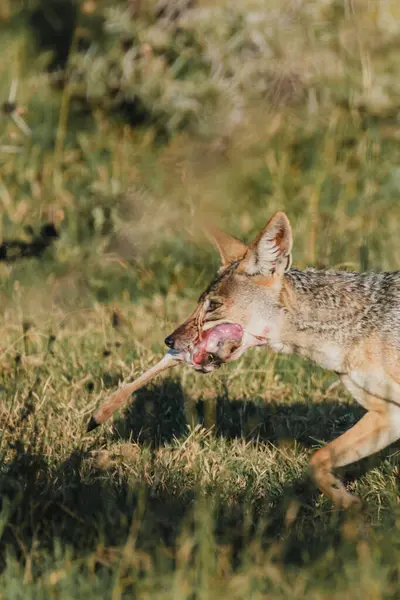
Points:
53	25
82	513
157	414
84	507
43	506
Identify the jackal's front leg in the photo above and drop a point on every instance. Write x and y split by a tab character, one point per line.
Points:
373	432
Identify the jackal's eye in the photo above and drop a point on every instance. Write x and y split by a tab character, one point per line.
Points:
213	305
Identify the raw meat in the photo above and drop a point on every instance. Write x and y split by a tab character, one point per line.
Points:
217	344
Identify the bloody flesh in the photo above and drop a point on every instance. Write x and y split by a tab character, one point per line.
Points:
217	343
215	347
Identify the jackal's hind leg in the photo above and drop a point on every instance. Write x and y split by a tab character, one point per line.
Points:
373	432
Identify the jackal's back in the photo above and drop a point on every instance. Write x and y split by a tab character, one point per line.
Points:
346	306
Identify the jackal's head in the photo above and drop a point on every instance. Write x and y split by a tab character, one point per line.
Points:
241	307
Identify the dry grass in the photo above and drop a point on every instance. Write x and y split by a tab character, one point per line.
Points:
193	490
199	490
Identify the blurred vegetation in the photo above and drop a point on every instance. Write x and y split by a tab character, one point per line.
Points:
122	123
139	117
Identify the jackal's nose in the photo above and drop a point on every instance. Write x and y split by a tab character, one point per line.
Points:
170	341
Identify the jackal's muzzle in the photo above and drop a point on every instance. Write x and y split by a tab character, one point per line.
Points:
213	347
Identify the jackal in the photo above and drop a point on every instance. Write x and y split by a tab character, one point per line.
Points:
346	322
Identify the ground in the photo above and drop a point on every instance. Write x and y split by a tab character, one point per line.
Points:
199	489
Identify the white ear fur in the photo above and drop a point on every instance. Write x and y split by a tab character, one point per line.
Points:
271	251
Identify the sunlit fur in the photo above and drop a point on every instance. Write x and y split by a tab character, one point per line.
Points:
346	322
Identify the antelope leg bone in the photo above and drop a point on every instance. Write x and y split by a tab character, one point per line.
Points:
120	397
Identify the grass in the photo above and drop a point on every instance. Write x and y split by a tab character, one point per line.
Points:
191	492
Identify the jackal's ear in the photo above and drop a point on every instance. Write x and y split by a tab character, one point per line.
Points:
271	251
230	248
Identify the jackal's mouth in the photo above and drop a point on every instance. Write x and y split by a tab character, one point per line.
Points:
217	345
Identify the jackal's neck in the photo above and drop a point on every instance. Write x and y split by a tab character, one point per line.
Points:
330	305
324	313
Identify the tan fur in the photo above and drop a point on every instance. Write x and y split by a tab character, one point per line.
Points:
120	397
229	248
288	297
346	322
264	281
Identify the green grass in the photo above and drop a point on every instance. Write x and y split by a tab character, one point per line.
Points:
188	493
191	492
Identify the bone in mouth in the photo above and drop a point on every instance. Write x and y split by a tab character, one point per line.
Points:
120	397
217	344
214	348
